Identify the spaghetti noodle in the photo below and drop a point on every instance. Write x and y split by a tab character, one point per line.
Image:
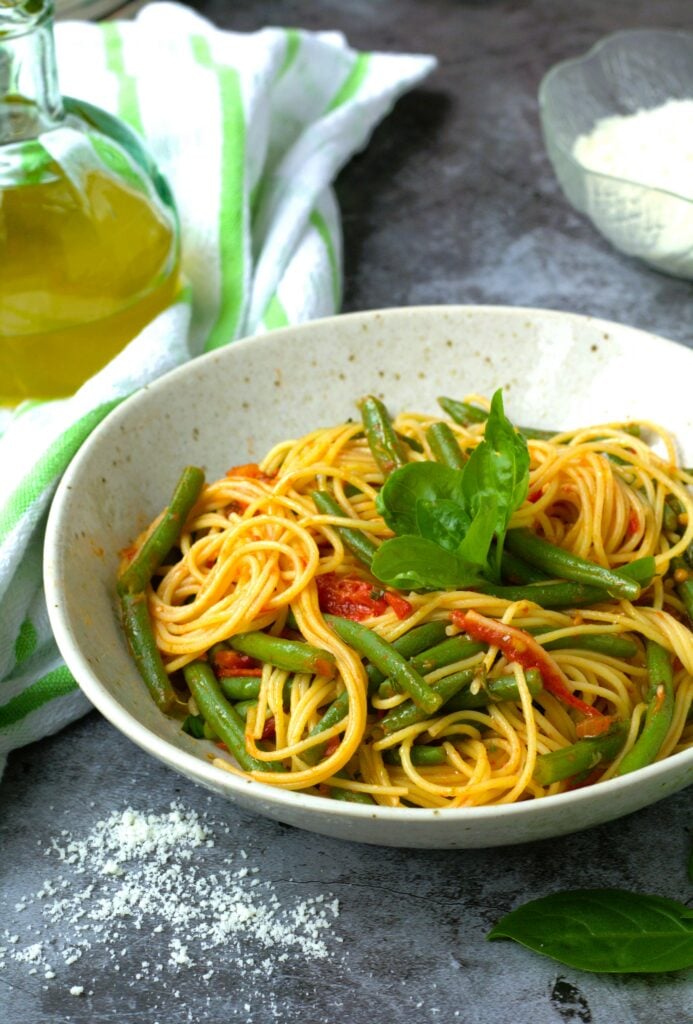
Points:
277	634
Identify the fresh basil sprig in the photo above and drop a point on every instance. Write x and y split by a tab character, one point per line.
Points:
604	930
446	519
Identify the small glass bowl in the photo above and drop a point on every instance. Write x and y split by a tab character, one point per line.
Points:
626	72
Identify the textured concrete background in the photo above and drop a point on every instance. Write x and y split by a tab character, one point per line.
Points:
453	201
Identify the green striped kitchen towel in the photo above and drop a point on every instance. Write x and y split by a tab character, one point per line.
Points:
250	130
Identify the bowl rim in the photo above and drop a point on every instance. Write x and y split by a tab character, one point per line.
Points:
200	768
557	69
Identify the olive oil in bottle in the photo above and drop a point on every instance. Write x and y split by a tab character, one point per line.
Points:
88	233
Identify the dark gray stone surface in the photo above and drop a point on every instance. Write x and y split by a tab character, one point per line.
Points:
453	201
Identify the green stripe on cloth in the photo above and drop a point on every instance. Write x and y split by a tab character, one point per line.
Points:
128	100
352	83
320	225
275	314
293	44
49	467
232	205
54	684
25	644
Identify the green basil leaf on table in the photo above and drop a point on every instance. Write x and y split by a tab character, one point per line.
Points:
604	930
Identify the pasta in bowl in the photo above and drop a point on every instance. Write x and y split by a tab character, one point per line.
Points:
427	612
436	629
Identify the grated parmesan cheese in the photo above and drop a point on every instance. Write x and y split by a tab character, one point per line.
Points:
136	872
653	147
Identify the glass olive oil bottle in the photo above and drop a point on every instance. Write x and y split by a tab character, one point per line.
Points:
89	246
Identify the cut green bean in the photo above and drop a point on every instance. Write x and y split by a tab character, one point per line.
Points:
454	648
684	584
495	691
350	796
670	519
381	436
387	659
166	533
659	713
515	570
421	755
579	757
243	707
290	655
410	442
463	413
549	595
138	630
337	710
194	725
240	687
445	446
220	715
418	639
611	644
565	565
408	713
357	541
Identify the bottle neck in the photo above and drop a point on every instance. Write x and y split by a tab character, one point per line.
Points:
30	100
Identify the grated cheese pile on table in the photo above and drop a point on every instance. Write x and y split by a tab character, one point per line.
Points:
145	873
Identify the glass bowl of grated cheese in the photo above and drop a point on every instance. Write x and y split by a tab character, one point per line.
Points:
618	127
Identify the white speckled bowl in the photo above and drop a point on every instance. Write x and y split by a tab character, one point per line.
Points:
229	407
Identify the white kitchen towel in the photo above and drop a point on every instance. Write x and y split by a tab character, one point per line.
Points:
250	130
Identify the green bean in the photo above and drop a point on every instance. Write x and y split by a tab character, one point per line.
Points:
495	691
565	565
670	519
418	639
351	796
408	713
445	446
411	442
684	584
420	754
140	637
454	648
335	713
462	412
224	720
194	725
380	434
659	713
610	644
164	536
242	707
518	571
357	541
387	659
240	687
290	655
579	757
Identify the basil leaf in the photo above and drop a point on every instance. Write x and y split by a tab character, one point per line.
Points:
604	930
477	542
498	468
416	563
417	481
444	522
